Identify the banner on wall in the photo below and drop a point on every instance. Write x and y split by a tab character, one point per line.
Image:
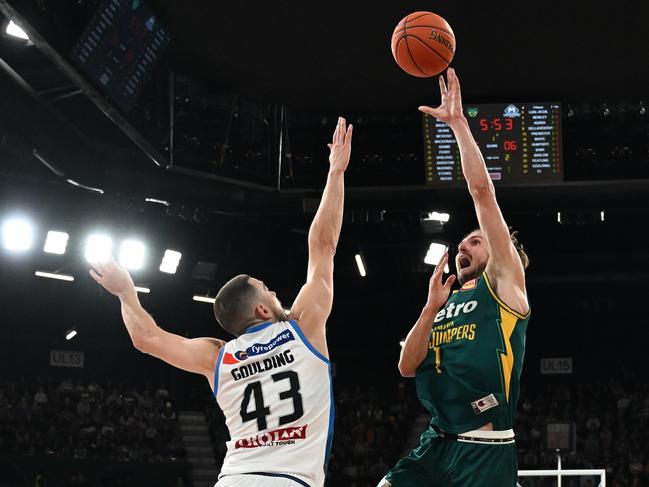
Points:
556	365
66	358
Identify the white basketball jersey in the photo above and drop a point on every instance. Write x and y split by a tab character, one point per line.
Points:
276	394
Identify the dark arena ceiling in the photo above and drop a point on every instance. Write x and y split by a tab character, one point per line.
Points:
253	89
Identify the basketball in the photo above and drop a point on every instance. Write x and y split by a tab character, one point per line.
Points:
423	44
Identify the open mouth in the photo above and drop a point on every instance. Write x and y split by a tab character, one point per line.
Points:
464	262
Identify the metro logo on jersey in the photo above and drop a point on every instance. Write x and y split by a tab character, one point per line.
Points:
284	436
453	310
258	348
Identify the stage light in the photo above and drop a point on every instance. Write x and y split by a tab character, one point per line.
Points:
51	275
438	217
15	31
17	234
144	290
56	242
170	261
602	215
435	252
154	200
131	254
204	299
361	265
98	248
70	334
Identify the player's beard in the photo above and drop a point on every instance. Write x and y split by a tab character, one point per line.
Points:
473	273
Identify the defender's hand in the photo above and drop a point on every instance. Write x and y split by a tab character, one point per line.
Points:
111	276
340	147
450	110
438	292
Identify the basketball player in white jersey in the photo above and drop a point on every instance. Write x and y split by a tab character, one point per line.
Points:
273	381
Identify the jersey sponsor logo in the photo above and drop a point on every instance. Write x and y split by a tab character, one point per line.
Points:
258	348
279	437
484	404
453	310
272	362
469	285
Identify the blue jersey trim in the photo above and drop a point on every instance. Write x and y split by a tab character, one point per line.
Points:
256	328
299	331
332	415
282	475
216	371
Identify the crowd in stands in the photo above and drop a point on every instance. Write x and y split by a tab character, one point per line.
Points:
87	420
612	425
118	423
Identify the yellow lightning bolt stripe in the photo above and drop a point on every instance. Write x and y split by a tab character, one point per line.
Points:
507	325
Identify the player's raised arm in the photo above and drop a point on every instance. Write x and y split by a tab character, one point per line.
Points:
504	261
198	355
415	347
313	303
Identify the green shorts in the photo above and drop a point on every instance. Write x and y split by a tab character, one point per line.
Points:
444	462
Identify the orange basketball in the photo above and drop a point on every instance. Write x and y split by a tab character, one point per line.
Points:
423	44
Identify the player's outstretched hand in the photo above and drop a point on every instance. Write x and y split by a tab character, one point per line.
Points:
450	110
340	146
111	276
439	291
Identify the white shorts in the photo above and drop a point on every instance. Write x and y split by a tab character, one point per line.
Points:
270	480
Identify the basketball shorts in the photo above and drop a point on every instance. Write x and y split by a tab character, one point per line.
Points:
440	461
262	479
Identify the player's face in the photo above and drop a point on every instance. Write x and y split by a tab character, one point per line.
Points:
472	257
269	299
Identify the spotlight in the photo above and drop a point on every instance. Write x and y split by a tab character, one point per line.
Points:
70	334
361	265
204	299
435	252
51	275
131	254
170	261
56	242
17	234
15	31
440	217
98	248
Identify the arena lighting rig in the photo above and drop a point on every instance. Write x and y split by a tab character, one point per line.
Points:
19	236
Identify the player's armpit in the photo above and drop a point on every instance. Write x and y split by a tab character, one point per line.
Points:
197	355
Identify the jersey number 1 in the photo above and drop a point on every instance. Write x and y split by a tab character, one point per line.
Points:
261	410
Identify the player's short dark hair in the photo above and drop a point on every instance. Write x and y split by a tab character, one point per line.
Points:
234	304
513	235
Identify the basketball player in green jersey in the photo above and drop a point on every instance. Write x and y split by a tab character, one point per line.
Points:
466	351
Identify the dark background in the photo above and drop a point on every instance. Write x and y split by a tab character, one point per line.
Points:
240	76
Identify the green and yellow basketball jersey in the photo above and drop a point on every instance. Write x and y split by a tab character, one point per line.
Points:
471	373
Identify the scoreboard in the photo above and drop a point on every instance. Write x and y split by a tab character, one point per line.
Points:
120	47
520	142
